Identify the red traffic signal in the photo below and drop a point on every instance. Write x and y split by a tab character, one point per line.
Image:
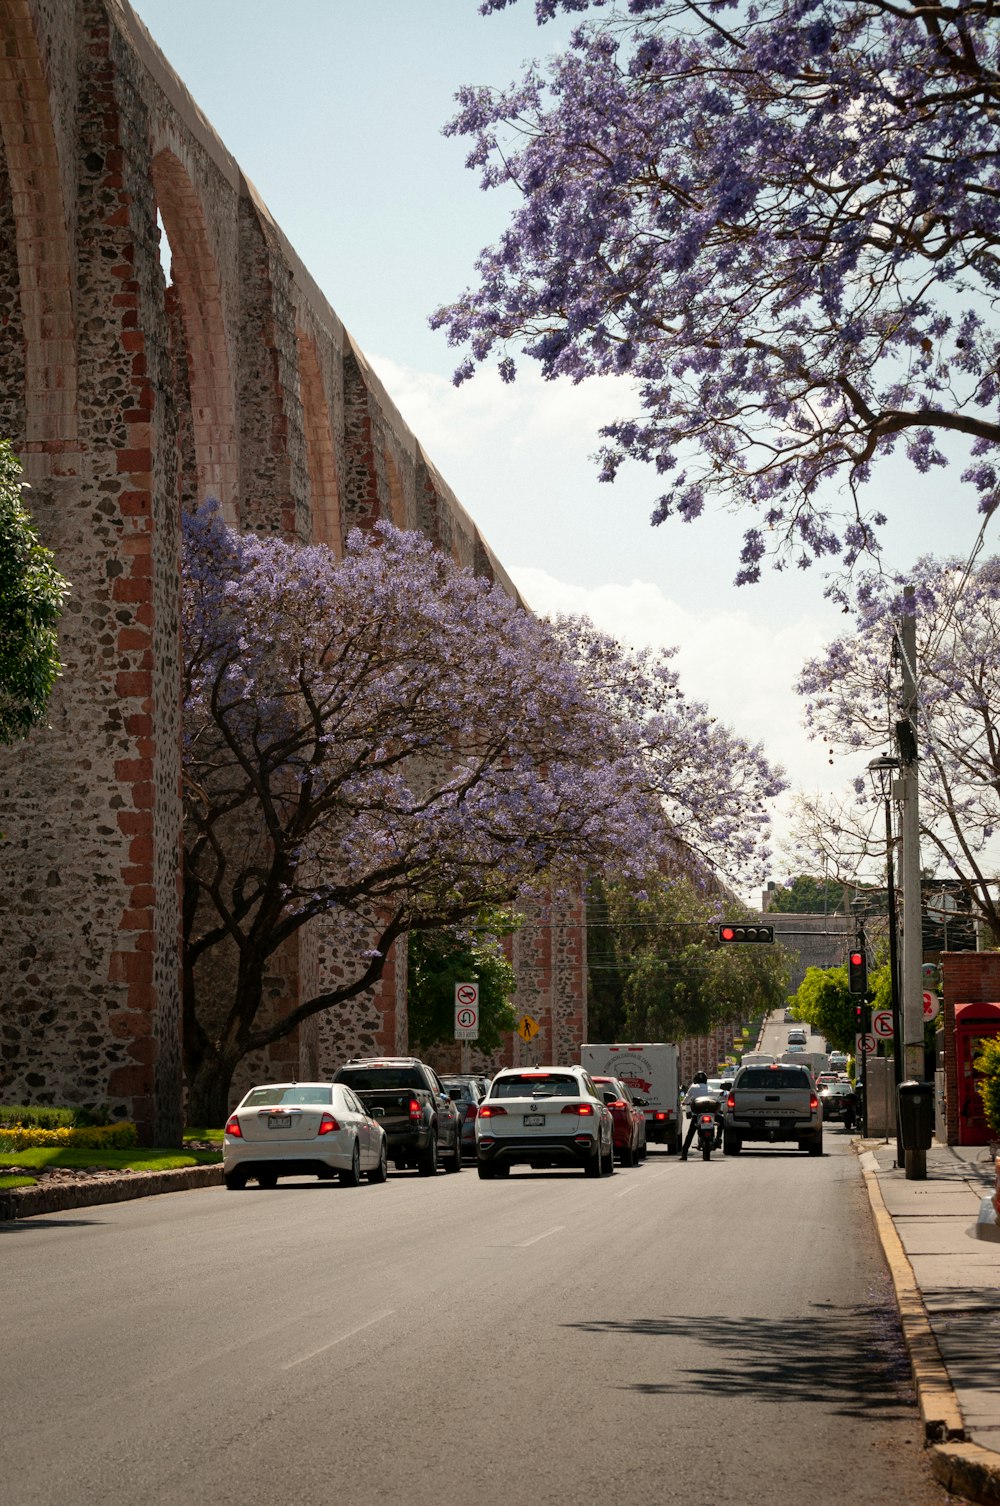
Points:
857	973
740	932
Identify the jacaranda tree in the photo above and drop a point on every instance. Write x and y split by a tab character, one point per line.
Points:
781	221
387	741
711	785
852	696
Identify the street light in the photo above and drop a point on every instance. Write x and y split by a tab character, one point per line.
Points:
881	771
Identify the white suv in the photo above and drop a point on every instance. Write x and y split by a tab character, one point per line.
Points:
544	1116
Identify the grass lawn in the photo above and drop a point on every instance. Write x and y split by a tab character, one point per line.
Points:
136	1158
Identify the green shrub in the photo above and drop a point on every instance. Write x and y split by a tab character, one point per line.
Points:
37	1118
15	1137
988	1063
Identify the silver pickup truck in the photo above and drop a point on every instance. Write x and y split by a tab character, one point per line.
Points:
773	1103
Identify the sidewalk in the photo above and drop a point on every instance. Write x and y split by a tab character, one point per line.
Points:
947	1284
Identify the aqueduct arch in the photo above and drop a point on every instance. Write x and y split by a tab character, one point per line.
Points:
196	278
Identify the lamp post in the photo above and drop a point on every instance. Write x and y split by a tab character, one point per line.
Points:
881	771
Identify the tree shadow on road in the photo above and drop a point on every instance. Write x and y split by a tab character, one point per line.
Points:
853	1357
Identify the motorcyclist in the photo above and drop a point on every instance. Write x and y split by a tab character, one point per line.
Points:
699	1089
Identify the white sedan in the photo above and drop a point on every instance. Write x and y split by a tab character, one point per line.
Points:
296	1129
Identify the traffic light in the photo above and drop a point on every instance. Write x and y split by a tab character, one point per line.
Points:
857	972
741	932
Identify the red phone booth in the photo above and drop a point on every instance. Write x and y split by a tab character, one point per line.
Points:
972	1023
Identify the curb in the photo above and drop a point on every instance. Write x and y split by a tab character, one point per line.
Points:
27	1202
960	1466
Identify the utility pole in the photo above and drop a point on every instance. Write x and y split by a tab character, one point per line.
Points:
912	1043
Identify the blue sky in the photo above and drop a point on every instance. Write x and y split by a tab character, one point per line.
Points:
334	110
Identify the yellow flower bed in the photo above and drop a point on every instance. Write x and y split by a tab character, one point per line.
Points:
94	1137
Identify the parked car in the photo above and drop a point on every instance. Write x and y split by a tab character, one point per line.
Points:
466	1095
839	1101
406	1096
544	1116
295	1129
629	1120
773	1104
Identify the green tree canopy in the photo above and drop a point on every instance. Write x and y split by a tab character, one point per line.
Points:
657	971
439	959
805	895
31	598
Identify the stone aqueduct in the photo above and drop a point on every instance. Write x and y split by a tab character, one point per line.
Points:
128	396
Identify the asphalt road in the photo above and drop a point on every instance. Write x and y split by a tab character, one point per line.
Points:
699	1333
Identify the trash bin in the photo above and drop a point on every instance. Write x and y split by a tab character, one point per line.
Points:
916	1114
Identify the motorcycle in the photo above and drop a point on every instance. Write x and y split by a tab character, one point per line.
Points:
705	1112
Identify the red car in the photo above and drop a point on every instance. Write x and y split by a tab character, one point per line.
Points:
629	1120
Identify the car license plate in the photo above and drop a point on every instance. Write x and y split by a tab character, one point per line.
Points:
534	1121
278	1121
772	1123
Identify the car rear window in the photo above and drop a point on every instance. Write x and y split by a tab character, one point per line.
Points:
769	1078
264	1097
389	1078
537	1085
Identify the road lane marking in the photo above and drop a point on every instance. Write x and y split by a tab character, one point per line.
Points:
378	1318
658	1177
524	1243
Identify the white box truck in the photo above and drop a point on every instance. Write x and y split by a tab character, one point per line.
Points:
652	1070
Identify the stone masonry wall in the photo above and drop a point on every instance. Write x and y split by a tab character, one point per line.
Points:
130	393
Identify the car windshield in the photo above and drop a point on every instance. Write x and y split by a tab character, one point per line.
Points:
769	1078
259	1098
361	1078
536	1085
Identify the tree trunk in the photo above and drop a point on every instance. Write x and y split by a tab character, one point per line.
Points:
209	1087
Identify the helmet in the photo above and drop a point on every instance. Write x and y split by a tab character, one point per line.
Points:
700	1077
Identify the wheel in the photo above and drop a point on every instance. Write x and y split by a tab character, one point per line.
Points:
267	1179
628	1156
427	1161
731	1145
815	1147
454	1162
235	1180
595	1166
706	1151
486	1171
609	1164
352	1177
380	1172
849	1123
502	1169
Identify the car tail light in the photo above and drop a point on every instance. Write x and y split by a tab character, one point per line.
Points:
233	1128
583	1109
414	1109
490	1110
327	1125
813	1101
471	1110
619	1103
731	1101
659	1115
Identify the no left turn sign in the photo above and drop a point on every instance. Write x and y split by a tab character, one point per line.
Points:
466	1011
